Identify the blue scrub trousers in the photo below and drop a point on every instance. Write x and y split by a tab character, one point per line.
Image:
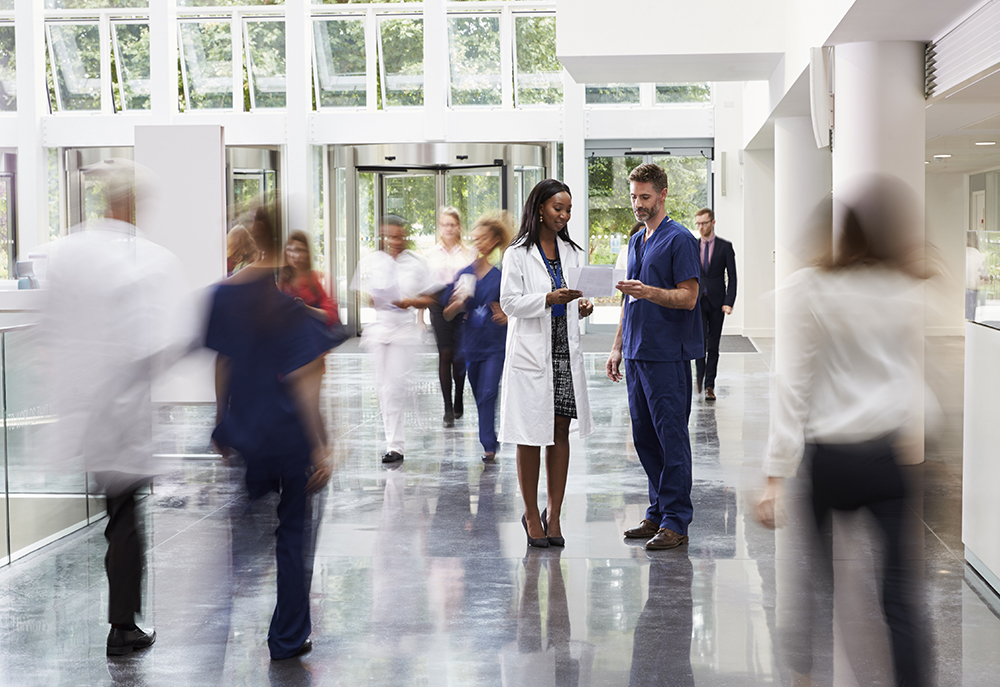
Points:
659	400
290	623
484	377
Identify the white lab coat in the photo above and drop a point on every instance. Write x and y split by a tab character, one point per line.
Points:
111	324
527	406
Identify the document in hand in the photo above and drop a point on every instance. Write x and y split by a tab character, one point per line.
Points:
594	280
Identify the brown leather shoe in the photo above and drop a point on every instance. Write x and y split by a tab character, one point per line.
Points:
709	394
646	529
666	539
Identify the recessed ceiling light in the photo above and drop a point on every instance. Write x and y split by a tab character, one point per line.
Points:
941	157
986	143
927	162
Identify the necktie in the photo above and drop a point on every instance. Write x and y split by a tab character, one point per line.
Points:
704	256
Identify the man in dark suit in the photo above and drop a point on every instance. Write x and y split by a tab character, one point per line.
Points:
717	295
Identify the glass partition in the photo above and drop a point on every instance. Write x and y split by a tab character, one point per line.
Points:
340	62
207	63
537	70
7	222
75	54
265	48
8	69
401	60
44	501
131	48
474	50
93	4
667	93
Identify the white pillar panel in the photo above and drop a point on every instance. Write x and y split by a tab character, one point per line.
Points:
802	180
728	126
188	217
757	279
574	159
879	113
880	128
437	78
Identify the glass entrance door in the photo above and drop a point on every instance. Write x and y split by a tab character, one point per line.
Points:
610	208
416	195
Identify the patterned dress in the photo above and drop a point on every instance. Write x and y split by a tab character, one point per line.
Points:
562	375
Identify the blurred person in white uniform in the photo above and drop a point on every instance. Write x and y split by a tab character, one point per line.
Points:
399	283
110	324
842	406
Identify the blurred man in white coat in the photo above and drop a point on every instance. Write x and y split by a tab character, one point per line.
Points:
108	326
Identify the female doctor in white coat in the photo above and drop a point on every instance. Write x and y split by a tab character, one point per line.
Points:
543	376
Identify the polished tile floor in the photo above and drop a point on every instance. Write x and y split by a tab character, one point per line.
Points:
422	576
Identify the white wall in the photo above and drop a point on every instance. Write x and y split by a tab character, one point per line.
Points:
946	221
188	217
729	222
757	281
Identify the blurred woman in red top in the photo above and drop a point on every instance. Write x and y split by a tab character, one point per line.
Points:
298	280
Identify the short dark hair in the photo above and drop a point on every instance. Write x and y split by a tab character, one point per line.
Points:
647	172
393	221
706	211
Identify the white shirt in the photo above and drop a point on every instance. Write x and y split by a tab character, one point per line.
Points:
445	264
389	280
849	371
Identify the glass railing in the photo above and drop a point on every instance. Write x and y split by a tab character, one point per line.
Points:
40	503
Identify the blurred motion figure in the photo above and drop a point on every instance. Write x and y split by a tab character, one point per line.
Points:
846	376
108	327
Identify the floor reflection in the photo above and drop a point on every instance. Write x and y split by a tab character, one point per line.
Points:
422	576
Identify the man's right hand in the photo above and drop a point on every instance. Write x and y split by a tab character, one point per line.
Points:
613	367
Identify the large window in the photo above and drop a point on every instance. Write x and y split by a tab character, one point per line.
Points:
537	71
401	60
264	39
75	56
8	69
131	50
207	63
339	62
474	56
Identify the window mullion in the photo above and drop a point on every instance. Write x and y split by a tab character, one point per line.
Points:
506	58
104	39
235	30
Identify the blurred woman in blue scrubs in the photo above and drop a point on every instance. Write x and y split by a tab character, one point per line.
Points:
475	296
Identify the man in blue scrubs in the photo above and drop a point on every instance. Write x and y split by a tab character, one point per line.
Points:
659	334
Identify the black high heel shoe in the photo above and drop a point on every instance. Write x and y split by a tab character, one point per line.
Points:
541	542
553	541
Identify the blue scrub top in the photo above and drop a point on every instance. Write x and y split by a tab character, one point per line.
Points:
649	331
266	335
482	338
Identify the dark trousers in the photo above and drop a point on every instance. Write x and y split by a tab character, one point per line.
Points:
852	476
711	322
294	541
484	377
123	561
659	401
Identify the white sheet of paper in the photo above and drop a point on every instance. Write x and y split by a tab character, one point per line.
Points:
594	280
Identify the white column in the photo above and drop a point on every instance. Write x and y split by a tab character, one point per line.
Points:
880	128
298	158
32	187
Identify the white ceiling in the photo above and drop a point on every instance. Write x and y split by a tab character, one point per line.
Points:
955	122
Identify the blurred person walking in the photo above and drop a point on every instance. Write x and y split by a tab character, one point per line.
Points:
543	376
475	297
109	326
298	280
717	295
269	360
398	283
446	259
658	336
842	401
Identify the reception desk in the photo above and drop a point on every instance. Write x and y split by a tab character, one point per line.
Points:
981	452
